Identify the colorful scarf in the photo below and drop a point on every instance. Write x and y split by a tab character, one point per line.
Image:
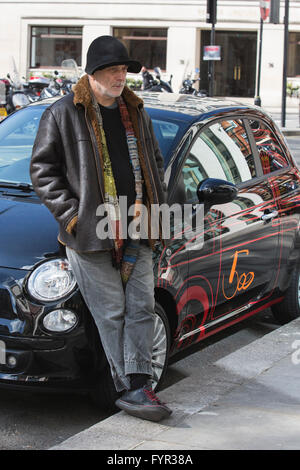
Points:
124	255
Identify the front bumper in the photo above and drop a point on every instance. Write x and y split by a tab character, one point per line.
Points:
42	363
30	357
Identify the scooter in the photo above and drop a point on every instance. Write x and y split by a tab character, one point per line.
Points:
61	86
3	111
35	86
53	88
157	84
71	70
16	95
188	89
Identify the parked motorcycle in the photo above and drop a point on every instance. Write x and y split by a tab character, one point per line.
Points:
72	73
35	86
53	88
62	85
17	97
18	92
188	89
157	84
3	111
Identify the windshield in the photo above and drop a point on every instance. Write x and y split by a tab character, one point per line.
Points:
169	128
165	133
17	134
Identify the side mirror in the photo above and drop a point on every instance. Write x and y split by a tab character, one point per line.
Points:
215	191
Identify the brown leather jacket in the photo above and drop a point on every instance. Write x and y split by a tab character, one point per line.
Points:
66	166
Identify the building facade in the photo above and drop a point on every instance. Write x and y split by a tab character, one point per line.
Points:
170	34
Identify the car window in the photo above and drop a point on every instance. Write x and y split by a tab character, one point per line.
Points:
17	135
271	155
221	151
165	133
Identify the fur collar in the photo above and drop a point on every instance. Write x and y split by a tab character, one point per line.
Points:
82	94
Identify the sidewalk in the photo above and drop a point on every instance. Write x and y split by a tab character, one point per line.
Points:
247	400
292	126
292	123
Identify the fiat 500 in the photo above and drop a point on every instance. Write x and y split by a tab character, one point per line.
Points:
234	254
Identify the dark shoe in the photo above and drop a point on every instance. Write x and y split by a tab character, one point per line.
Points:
143	403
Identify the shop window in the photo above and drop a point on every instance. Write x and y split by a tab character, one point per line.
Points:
148	46
50	45
294	55
236	71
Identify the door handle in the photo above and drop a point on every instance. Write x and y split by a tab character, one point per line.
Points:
269	216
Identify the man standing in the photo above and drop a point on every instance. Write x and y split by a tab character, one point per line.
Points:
92	147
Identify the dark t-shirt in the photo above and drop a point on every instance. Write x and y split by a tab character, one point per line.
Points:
118	152
120	160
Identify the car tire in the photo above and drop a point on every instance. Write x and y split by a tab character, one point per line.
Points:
161	346
289	308
104	395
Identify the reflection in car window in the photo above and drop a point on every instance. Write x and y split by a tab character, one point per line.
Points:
271	156
193	173
220	151
165	133
17	135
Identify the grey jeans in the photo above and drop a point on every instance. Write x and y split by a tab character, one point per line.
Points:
125	320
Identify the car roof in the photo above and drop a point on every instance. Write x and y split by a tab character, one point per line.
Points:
188	105
185	109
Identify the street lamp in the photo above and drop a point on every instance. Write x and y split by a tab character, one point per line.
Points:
211	17
257	100
264	6
285	57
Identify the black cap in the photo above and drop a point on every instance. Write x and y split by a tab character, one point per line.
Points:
106	51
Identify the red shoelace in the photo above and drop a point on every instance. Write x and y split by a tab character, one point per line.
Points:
151	395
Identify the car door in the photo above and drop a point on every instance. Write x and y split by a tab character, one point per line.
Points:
233	254
285	184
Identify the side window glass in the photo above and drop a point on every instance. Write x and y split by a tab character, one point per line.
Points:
221	151
165	133
271	156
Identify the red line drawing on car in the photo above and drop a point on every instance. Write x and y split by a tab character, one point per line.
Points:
242	281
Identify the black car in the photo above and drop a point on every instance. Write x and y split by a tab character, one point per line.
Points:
233	253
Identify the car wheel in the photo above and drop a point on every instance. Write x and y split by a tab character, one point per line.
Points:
289	308
161	346
104	394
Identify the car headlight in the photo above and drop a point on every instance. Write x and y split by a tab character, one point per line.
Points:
60	320
51	281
